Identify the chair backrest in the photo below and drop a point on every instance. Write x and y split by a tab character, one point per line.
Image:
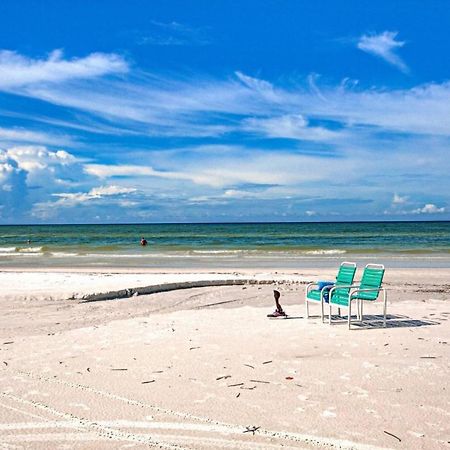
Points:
346	273
345	277
372	279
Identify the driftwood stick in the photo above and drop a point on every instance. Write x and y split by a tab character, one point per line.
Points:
393	435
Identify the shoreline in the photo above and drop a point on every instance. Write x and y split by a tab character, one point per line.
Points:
195	263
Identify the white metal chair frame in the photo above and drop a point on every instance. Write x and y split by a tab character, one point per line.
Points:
354	289
322	293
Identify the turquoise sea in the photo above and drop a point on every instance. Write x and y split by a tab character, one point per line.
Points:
227	245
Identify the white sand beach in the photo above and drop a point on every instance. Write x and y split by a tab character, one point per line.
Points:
204	368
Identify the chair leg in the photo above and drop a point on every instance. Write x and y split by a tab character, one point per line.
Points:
349	313
339	311
384	309
322	313
307	308
329	314
361	316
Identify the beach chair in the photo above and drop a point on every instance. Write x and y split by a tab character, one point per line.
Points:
345	276
367	290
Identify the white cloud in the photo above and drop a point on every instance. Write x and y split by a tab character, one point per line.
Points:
399	200
17	70
150	104
110	170
293	126
225	171
351	139
429	208
103	191
13	191
72	198
32	158
384	46
172	34
30	174
263	87
14	136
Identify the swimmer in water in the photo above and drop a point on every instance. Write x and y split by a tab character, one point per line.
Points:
143	242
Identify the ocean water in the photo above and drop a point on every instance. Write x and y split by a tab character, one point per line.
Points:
259	245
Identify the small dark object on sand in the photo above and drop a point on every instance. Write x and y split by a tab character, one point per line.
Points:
251	429
279	310
393	435
224	377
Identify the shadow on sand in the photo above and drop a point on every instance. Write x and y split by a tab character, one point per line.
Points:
375	321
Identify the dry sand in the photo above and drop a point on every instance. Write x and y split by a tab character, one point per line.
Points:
205	368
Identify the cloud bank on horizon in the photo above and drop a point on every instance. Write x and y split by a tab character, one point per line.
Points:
101	136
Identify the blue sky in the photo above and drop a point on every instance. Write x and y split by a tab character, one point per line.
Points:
206	111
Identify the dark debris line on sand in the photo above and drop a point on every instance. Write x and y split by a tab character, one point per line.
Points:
393	435
251	429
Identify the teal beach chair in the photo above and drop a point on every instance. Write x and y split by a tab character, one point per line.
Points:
314	295
368	289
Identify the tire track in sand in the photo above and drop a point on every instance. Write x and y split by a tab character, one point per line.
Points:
85	424
297	438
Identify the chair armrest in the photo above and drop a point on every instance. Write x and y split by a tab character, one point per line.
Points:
343	286
310	285
346	286
367	290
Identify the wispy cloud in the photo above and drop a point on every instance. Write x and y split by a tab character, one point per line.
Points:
73	198
293	126
17	70
343	138
385	46
156	105
16	135
173	34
